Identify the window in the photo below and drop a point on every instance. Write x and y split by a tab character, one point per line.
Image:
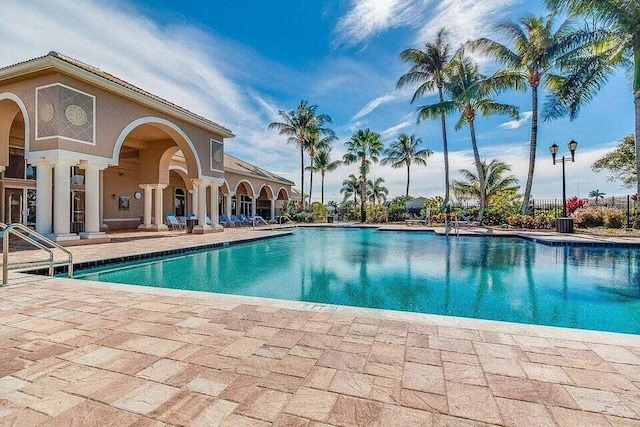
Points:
18	167
179	202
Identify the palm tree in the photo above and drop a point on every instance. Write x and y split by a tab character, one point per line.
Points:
322	163
429	69
621	19
597	194
403	152
351	187
471	93
496	182
314	143
296	124
533	52
364	147
377	192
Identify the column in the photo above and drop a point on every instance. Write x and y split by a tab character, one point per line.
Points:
92	201
201	189
193	209
62	201
158	215
215	226
273	209
44	200
103	226
253	205
228	203
147	198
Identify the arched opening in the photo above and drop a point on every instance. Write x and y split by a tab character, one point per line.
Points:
281	200
152	153
18	178
242	200
263	204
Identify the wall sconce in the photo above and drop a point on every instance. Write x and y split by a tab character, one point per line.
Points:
113	196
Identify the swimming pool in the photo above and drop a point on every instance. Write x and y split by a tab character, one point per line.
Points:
496	278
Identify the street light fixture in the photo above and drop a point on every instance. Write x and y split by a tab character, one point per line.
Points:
564	224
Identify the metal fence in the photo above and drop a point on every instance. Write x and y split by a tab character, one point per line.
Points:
554	206
624	203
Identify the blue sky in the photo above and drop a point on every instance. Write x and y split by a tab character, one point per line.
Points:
239	61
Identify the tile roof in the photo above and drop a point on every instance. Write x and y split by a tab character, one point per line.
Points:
234	164
103	74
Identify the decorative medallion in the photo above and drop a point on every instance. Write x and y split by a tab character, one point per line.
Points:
217	156
76	115
46	112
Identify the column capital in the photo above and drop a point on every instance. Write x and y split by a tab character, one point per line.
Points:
196	181
274	199
85	164
64	163
231	193
158	186
217	181
145	186
40	162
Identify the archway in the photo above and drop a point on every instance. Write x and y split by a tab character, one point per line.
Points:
17	182
243	198
264	203
152	157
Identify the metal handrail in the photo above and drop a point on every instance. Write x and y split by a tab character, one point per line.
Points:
259	218
15	229
287	217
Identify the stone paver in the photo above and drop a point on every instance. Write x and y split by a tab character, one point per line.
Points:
84	353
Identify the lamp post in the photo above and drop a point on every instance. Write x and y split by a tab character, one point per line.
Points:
564	224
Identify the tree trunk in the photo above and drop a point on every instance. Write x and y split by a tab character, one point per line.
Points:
408	178
363	198
532	149
302	175
363	193
476	156
311	182
322	188
445	150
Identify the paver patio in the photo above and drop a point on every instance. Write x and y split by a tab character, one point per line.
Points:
87	353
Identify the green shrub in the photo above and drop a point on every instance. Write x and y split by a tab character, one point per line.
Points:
613	218
545	220
304	217
592	216
318	212
398	209
377	213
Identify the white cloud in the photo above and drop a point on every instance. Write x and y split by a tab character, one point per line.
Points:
373	104
368	18
515	124
393	130
464	19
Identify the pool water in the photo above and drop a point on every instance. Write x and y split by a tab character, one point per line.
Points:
496	278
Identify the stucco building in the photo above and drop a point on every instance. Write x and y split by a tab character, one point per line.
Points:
82	151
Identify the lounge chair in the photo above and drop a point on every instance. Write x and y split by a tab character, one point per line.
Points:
416	221
224	221
172	222
243	219
464	221
237	221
